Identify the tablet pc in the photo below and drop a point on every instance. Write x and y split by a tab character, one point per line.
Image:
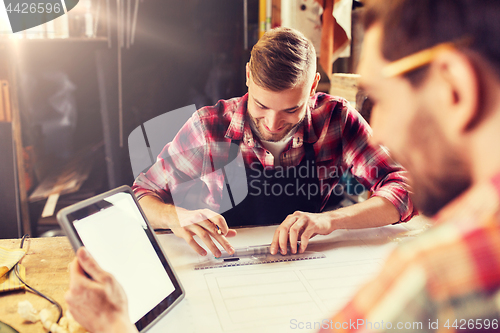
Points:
115	231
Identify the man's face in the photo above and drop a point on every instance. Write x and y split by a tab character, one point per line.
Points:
275	114
406	120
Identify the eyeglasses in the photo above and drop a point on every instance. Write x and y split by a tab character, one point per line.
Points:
421	58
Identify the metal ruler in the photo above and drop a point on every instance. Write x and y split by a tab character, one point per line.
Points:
256	259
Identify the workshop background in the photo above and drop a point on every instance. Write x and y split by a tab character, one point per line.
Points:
73	89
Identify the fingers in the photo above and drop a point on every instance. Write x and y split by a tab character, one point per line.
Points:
204	235
95	303
194	245
90	266
294	233
77	275
297	225
304	241
281	231
204	232
207	225
217	220
75	268
283	240
274	243
225	243
280	238
307	234
79	281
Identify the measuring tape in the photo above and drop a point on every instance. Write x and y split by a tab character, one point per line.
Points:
256	259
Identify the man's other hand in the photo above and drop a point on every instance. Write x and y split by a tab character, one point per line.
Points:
300	226
98	303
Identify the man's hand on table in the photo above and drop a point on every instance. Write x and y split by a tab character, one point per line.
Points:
203	223
98	304
300	226
371	213
187	223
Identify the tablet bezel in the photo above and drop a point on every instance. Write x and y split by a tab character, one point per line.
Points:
65	219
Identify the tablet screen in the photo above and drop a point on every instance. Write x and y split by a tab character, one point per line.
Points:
116	234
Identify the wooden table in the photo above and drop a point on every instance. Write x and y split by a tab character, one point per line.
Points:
46	265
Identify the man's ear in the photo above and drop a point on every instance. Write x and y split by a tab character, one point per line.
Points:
247	69
314	86
459	92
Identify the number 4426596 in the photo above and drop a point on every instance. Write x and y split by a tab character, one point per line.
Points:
32	8
462	324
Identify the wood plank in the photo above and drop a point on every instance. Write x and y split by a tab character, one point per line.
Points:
9	211
46	265
3	114
18	143
345	85
6	101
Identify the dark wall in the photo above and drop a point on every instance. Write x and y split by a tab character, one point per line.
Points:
184	52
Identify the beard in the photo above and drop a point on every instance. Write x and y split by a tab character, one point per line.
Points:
263	134
443	174
435	192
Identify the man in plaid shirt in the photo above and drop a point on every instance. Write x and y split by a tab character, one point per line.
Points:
281	124
432	68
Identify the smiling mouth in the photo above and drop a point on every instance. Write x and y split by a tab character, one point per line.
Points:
279	130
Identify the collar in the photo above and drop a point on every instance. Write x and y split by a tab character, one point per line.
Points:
239	129
309	133
306	130
236	128
475	203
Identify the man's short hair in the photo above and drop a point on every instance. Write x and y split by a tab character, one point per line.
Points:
410	26
281	59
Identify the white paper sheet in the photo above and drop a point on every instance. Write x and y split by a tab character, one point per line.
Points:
278	296
271	297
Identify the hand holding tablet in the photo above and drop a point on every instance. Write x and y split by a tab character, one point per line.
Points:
95	299
115	232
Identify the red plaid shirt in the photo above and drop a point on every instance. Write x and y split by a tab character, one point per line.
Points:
445	280
337	131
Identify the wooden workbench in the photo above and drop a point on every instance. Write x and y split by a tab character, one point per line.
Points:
46	264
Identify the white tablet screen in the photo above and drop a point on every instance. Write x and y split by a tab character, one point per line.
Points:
116	237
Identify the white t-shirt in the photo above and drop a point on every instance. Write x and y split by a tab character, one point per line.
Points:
276	148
